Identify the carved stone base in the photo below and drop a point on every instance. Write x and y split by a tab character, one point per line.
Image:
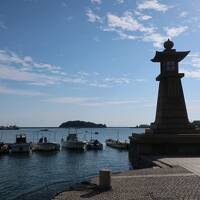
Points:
163	145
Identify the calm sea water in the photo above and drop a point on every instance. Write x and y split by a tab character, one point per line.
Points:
41	175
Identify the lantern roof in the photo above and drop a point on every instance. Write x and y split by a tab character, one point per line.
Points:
169	54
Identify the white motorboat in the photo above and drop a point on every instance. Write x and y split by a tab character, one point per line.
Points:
44	145
21	145
117	144
73	143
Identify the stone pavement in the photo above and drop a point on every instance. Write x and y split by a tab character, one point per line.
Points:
190	163
152	183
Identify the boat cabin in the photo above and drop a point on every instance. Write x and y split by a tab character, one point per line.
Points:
20	139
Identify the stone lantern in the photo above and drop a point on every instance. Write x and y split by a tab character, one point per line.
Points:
171	134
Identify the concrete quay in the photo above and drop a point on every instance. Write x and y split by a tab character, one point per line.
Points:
177	179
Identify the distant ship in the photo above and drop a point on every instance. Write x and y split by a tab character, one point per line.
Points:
11	127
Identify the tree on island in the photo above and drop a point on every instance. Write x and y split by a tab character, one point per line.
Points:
81	124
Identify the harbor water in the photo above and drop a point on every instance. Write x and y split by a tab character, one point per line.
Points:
40	175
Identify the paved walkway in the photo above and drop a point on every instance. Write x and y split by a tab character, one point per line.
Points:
190	163
153	183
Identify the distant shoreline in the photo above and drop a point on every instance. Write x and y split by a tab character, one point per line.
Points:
72	127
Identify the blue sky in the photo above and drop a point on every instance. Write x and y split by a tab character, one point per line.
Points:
90	59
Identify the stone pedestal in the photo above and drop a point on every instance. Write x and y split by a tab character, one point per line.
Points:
105	179
163	145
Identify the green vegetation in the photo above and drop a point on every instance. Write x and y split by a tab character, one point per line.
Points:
81	124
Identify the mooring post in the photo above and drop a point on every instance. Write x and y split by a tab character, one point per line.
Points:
105	179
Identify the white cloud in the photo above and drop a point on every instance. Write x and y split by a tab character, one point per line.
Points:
120	1
11	73
24	62
24	68
90	101
191	73
71	100
194	60
5	90
128	27
183	14
145	17
92	17
127	23
153	5
141	16
128	36
192	63
156	38
175	31
96	2
117	80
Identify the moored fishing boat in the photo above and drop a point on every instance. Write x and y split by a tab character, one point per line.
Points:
73	143
117	144
4	148
45	145
94	145
21	145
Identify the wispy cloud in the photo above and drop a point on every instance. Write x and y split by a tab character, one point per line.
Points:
145	17
183	14
175	31
96	2
6	90
126	22
192	66
127	27
90	101
25	69
117	80
138	23
152	5
92	17
24	62
120	1
2	25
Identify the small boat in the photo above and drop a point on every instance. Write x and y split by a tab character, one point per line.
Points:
21	145
4	148
96	133
73	143
44	145
117	144
94	144
10	127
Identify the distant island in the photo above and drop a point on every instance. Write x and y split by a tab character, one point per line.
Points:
11	127
81	124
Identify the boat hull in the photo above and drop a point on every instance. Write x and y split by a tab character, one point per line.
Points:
117	144
94	147
46	147
20	148
77	145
